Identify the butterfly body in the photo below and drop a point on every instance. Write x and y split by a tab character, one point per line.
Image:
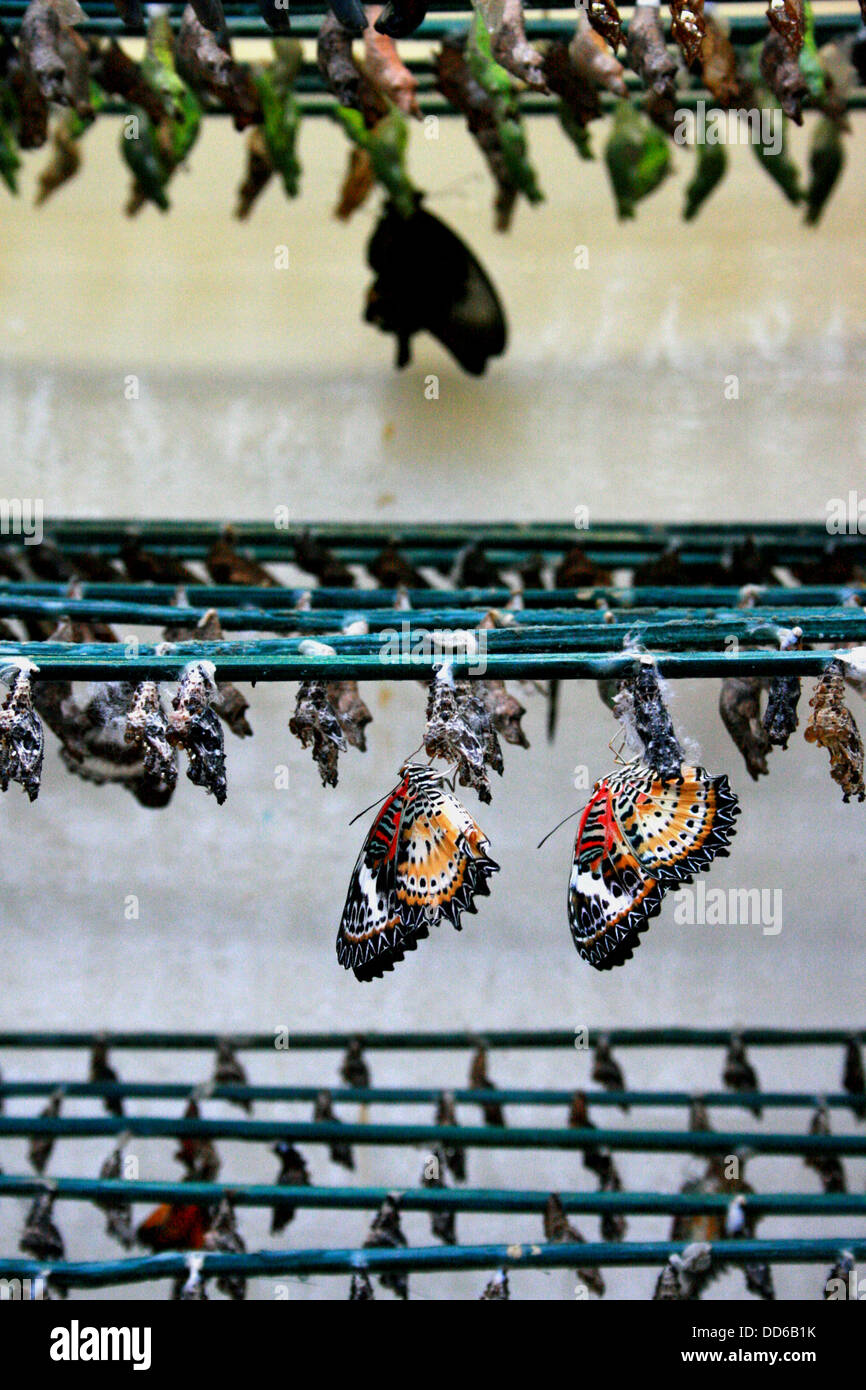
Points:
638	836
424	859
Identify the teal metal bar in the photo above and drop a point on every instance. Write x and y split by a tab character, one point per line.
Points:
425	1095
673	628
461	1136
495	1039
345	603
466	1200
425	1260
274	661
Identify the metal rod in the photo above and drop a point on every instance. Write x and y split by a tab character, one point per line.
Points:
425	1259
426	1095
494	1039
272	661
431	1136
426	1199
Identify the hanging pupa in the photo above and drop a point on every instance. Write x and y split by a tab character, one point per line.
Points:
22	740
828	1166
228	1071
688	28
40	1146
740	709
223	1236
353	1068
558	1230
196	729
323	1114
41	1238
118	1214
854	1078
442	1221
386	1233
455	1156
831	725
479	1080
606	1070
102	1071
293	1173
738	1074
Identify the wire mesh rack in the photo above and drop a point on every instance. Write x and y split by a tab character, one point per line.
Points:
700	1211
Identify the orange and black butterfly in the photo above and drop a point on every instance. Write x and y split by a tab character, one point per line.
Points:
639	836
424	859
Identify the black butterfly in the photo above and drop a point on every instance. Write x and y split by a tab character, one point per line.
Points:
426	278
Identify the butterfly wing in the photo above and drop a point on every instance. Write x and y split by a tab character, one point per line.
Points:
371	927
425	858
610	897
443	863
426	278
676	828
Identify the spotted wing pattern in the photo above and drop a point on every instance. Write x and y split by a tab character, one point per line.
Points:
424	859
637	837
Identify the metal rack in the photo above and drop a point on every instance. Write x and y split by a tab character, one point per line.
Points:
468	1200
587	632
832	21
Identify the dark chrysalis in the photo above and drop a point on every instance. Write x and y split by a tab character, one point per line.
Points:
853	1077
101	1071
225	1238
353	1069
455	1157
293	1173
738	1073
228	1071
118	1215
323	1114
350	14
442	1222
780	716
479	1080
606	1070
400	18
653	725
828	1166
428	280
386	1233
740	708
22	740
275	13
558	1230
41	1238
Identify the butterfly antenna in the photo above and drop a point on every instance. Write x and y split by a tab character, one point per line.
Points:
563	822
378	802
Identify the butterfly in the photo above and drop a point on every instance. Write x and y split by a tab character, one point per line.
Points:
423	860
637	837
426	278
